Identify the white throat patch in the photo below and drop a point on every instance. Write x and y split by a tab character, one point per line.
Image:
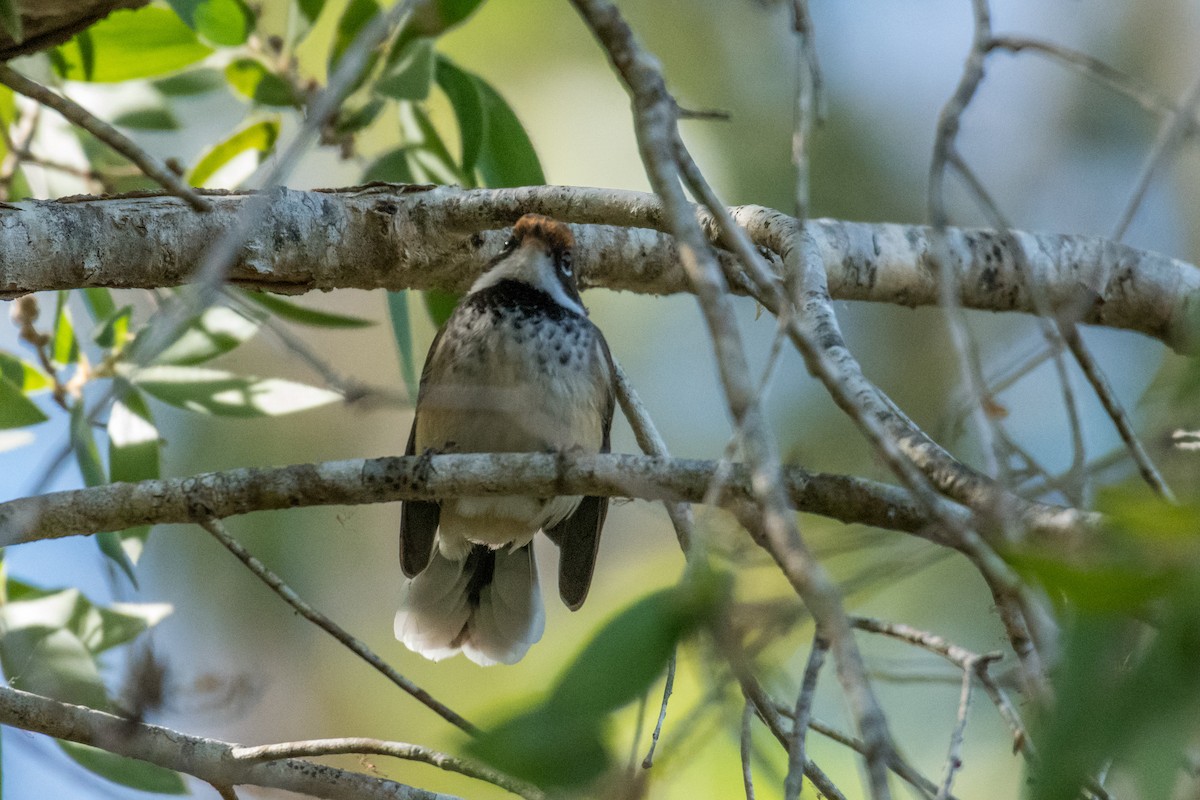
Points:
531	264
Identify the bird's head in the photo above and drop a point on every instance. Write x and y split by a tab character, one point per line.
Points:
538	254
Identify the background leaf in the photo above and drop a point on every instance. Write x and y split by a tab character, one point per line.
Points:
507	157
216	331
462	90
148	119
392	167
17	410
402	334
294	312
102	52
124	771
411	76
134	447
250	78
22	374
222	393
10	20
258	137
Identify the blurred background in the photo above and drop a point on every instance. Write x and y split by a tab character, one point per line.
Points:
1058	153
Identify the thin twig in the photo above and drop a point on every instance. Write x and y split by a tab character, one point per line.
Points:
207	759
1115	411
403	750
289	596
1170	134
954	757
77	114
1094	68
747	749
797	755
668	688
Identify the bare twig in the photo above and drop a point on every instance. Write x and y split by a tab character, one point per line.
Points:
1170	134
77	114
403	750
668	687
954	757
1116	411
1094	68
289	596
389	479
797	757
207	759
658	138
747	749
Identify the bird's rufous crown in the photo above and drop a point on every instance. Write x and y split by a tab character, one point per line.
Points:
551	231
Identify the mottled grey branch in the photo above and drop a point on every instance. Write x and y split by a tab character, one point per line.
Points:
210	495
209	760
394	237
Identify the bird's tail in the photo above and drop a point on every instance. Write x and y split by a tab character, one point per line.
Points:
488	605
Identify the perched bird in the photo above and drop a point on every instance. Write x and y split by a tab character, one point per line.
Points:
517	368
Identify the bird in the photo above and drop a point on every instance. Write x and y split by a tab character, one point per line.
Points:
517	367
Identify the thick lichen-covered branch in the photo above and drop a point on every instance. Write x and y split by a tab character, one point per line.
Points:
395	237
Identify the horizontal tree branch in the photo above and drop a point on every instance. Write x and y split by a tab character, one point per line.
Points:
402	750
209	760
399	236
201	497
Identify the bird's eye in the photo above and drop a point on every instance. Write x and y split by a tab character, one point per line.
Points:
564	262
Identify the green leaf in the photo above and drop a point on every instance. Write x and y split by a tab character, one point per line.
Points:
124	771
352	119
462	90
41	652
250	78
546	748
412	74
102	629
148	119
22	374
434	17
52	662
1103	586
17	410
259	137
216	331
358	15
10	20
87	455
84	446
559	744
391	167
99	302
311	9
402	333
302	315
103	52
196	81
64	348
632	649
224	22
134	447
222	393
507	157
440	305
98	629
432	141
113	332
